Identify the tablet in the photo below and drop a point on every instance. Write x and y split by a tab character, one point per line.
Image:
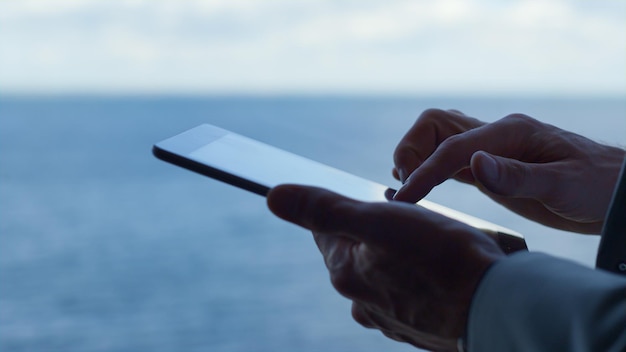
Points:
257	167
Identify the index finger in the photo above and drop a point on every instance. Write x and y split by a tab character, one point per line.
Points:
429	131
321	211
504	137
380	224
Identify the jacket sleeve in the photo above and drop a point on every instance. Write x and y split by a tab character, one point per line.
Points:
535	302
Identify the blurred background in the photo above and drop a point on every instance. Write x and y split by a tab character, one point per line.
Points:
105	248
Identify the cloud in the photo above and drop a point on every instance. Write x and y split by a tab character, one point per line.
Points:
313	46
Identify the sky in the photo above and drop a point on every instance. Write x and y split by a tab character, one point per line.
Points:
453	47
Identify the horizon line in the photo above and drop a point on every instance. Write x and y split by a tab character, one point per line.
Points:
311	95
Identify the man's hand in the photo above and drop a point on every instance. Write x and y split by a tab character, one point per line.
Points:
549	175
410	273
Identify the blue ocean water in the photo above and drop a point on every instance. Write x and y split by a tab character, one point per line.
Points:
105	248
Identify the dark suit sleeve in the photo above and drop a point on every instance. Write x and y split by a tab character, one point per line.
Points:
535	302
612	250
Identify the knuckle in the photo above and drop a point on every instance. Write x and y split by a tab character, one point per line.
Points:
393	335
360	315
430	115
339	213
341	280
408	157
519	126
325	211
452	143
344	275
515	174
517	116
456	112
321	216
518	119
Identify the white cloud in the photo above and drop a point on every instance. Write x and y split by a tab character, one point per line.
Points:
316	46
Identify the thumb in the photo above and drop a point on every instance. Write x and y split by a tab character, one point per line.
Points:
511	178
378	224
313	208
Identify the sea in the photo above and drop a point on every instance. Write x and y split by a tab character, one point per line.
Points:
105	248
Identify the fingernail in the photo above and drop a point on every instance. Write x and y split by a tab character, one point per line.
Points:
490	167
395	196
403	174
